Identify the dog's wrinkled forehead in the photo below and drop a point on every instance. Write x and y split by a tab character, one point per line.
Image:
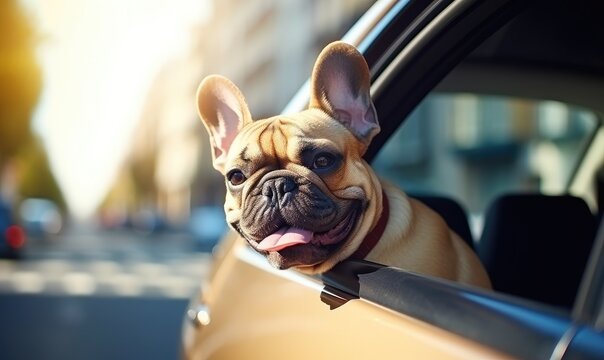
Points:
284	138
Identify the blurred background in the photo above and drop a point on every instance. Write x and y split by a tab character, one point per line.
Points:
109	206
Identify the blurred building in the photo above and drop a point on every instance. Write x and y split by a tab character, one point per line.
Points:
267	48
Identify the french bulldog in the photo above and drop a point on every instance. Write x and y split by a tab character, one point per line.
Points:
300	192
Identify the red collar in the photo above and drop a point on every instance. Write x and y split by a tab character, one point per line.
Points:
376	233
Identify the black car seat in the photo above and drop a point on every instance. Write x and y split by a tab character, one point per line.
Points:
451	211
536	246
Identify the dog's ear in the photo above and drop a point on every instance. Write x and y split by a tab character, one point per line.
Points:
224	112
340	87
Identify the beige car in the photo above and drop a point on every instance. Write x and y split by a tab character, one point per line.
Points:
491	113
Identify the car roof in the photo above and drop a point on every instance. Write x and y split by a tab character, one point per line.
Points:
556	43
562	35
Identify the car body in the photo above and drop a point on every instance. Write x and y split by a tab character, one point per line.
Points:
547	302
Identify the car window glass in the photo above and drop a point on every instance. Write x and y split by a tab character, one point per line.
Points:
474	147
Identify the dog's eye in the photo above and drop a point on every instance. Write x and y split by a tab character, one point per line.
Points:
236	177
323	161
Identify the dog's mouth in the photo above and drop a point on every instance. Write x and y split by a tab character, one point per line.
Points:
297	228
288	236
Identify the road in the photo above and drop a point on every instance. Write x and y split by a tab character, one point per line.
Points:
90	294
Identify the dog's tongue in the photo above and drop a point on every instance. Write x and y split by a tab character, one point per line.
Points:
285	237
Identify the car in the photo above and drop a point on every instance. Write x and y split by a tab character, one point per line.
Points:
491	113
40	217
206	226
12	236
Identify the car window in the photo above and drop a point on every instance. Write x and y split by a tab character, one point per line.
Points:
474	147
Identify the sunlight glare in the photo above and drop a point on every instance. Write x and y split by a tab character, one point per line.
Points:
99	59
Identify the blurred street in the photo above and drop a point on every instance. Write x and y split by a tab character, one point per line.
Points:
121	263
68	296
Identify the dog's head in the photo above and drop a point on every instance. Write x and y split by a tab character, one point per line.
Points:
298	189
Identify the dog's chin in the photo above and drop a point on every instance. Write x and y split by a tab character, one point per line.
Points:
305	255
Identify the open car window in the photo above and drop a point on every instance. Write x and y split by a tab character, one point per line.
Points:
474	147
514	137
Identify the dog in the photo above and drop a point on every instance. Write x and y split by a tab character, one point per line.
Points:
300	192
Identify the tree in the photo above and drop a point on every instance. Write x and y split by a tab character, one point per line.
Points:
20	77
36	179
20	88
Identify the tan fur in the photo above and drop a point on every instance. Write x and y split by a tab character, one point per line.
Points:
419	240
341	120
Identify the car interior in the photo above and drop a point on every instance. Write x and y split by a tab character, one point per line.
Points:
542	259
534	241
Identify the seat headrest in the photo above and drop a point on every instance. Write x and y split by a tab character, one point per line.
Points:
536	246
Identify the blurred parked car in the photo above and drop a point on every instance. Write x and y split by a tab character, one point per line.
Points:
148	221
12	236
509	95
207	225
40	217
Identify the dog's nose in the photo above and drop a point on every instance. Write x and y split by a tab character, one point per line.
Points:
285	185
278	189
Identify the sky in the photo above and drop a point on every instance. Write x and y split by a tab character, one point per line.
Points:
99	58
